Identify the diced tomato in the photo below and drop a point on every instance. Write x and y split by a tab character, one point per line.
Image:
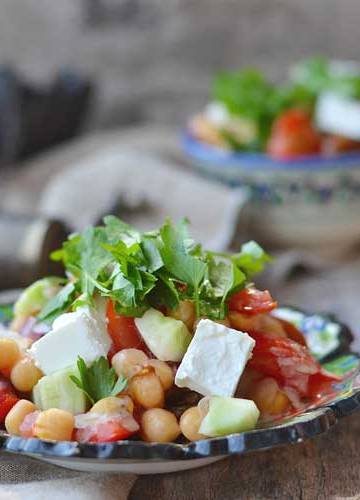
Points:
293	135
252	301
102	433
105	428
290	363
292	332
123	331
6	386
7	401
27	427
6	372
336	144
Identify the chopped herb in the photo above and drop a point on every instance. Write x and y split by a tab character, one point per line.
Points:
98	380
159	268
60	303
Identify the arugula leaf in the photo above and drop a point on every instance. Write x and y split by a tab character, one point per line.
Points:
57	304
98	381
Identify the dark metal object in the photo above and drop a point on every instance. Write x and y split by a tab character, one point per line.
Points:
25	244
33	118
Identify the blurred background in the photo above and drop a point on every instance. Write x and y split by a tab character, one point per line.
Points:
94	95
153	60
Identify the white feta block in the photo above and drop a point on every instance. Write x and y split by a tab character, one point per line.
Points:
80	333
215	360
335	114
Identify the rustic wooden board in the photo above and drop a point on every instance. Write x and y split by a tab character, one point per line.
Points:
324	468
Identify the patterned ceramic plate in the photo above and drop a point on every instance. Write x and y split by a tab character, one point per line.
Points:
330	343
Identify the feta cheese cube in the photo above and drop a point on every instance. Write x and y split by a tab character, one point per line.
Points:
335	114
80	333
215	360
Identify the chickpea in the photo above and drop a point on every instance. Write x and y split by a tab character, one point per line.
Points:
54	424
190	422
268	397
25	374
158	425
185	312
243	322
129	362
16	416
113	405
146	390
164	372
9	353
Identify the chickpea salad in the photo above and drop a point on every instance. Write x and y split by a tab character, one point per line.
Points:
150	337
316	111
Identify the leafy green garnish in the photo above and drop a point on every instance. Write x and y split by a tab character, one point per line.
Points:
251	259
58	304
317	75
155	269
247	94
98	381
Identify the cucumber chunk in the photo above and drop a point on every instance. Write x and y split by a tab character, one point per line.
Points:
167	338
58	391
33	298
229	416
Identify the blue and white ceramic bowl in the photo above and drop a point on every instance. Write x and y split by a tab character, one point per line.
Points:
311	203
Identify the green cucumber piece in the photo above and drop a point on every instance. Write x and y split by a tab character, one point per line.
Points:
33	298
167	338
58	391
229	416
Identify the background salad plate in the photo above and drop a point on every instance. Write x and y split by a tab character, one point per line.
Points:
330	343
312	202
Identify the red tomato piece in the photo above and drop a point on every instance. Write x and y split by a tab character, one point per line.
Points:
102	433
123	331
252	301
293	135
7	401
292	332
290	363
106	430
6	386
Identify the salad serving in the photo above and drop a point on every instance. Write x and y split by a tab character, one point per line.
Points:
151	337
315	112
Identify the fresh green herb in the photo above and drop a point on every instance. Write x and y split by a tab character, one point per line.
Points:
252	258
58	304
98	381
247	94
317	75
158	269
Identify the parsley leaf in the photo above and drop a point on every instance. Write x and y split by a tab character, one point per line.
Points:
251	259
159	268
98	381
58	304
